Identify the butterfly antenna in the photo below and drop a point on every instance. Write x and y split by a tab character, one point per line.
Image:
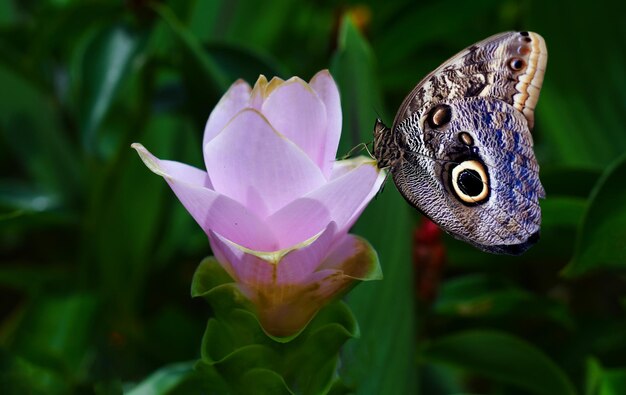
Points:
377	112
368	149
359	147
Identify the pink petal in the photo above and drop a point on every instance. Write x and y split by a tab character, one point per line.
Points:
382	176
211	210
338	201
298	264
299	220
250	161
258	93
269	270
341	167
354	257
223	257
262	89
327	91
186	173
243	267
285	310
233	101
295	110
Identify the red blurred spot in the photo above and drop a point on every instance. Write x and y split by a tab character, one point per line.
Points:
428	259
117	339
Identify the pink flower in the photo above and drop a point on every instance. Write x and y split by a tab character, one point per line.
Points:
274	202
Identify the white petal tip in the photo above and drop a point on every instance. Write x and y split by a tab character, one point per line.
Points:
149	160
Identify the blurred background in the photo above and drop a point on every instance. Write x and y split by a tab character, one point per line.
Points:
96	254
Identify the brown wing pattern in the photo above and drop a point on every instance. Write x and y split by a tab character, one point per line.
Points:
508	66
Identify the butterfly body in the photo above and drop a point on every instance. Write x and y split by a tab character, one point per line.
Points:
460	148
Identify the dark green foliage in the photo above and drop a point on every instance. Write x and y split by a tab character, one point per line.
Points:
96	255
501	357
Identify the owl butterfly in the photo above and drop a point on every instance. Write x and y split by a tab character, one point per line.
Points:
460	148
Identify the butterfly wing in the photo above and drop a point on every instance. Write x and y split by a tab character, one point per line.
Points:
477	176
508	66
463	148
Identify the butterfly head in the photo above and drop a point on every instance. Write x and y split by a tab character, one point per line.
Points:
386	149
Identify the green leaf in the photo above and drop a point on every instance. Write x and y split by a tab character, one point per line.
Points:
401	41
481	296
569	114
234	371
7	13
501	357
594	377
260	24
106	63
173	321
601	240
27	197
20	376
306	365
384	309
209	67
561	219
108	387
30	128
338	387
131	215
562	212
57	333
353	68
263	381
66	27
165	380
440	380
567	181
477	295
604	382
211	379
310	368
208	276
567	136
31	279
614	382
245	62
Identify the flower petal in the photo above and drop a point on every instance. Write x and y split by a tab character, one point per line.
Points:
211	210
257	96
266	165
296	111
298	264
327	91
234	100
353	259
343	167
299	220
283	268
242	267
338	201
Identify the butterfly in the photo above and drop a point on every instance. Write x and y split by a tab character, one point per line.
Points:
460	149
